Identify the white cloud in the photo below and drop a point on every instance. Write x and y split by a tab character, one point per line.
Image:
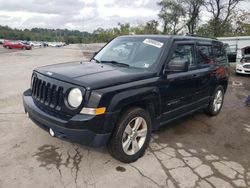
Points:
77	14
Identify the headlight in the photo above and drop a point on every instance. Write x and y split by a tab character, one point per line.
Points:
75	97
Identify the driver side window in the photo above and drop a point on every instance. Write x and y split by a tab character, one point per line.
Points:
184	53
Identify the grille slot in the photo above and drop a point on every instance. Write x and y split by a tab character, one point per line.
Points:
47	94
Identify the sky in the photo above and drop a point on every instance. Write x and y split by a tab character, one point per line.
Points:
83	15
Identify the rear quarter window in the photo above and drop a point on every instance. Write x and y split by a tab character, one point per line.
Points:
220	55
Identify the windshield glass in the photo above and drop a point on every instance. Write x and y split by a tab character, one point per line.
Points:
132	52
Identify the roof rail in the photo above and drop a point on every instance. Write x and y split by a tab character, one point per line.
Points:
195	35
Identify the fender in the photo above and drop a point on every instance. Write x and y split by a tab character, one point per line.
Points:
143	93
128	97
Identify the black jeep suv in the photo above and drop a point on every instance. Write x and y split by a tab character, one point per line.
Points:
133	85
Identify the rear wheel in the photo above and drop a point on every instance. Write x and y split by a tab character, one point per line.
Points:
216	102
131	137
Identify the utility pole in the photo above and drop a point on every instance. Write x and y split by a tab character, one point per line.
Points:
82	29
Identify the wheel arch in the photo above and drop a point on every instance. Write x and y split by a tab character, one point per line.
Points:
147	99
223	83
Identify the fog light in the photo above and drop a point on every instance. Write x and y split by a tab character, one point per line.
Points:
51	132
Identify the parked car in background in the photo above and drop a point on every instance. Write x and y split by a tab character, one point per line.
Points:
35	44
16	45
52	44
56	44
243	67
134	85
231	52
25	42
45	44
1	41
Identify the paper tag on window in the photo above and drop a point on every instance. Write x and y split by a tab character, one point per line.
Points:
153	43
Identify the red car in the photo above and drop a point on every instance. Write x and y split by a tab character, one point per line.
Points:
16	45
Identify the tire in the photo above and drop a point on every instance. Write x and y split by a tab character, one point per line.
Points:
24	48
216	102
124	136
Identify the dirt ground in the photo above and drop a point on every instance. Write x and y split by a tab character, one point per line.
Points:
195	151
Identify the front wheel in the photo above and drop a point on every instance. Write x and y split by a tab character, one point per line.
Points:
216	102
131	136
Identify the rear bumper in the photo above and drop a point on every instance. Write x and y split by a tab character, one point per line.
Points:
62	128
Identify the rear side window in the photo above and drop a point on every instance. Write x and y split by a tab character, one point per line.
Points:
205	54
219	54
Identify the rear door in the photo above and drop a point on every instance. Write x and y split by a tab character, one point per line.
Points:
207	67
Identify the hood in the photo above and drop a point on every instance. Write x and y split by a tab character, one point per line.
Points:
94	75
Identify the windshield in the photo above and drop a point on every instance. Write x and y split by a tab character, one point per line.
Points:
131	52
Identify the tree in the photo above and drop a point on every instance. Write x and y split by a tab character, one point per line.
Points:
241	22
193	8
124	28
172	14
151	27
221	12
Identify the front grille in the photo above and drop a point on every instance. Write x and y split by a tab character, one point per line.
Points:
246	66
47	94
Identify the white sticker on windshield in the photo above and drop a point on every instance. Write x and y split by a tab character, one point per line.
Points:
153	43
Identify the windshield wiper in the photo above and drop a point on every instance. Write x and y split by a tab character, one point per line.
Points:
116	63
96	60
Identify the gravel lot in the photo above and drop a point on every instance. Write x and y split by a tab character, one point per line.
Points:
196	151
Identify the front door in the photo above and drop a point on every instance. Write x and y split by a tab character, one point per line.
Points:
178	90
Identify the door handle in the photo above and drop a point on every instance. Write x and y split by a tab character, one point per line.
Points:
195	75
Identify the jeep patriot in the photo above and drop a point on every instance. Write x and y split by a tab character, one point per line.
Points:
132	86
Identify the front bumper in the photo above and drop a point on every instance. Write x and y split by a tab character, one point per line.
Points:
62	128
240	68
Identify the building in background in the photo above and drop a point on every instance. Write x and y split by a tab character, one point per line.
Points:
237	47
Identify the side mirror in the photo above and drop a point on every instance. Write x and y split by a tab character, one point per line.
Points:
177	65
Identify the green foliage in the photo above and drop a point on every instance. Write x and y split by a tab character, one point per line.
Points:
241	23
183	16
40	34
75	36
172	14
177	16
207	29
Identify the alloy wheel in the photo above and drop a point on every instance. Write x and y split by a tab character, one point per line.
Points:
217	101
134	135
